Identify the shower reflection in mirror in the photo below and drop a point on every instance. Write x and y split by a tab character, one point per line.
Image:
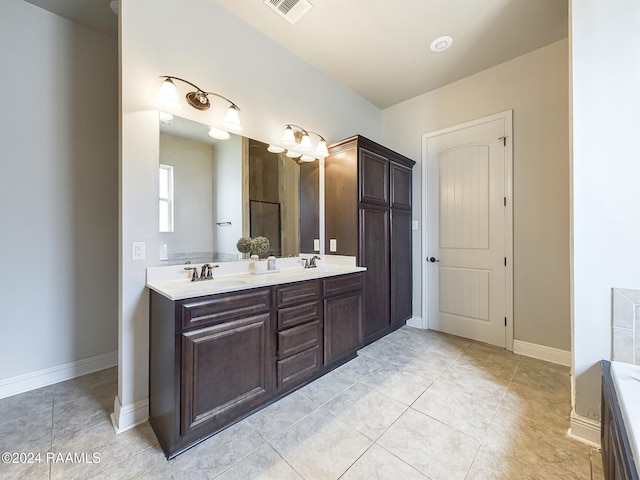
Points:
212	192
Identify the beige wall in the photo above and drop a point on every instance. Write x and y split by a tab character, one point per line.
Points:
535	87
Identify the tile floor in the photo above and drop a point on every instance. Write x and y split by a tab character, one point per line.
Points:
414	405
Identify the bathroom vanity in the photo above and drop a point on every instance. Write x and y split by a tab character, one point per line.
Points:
220	350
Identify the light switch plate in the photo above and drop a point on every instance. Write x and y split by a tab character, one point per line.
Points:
414	225
316	244
333	245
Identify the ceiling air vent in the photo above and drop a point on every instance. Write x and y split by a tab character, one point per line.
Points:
292	10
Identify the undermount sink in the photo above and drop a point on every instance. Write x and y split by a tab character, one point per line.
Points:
223	283
213	284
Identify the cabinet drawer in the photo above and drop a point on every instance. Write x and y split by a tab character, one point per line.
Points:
225	307
296	339
298	366
292	316
342	284
302	292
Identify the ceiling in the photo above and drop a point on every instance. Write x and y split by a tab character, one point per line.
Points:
380	49
94	14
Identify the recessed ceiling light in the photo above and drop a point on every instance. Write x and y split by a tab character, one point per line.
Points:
441	43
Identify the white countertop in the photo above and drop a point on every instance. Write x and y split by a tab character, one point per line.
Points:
182	286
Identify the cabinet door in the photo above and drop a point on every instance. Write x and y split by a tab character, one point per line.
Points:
225	372
342	326
373	171
341	200
401	281
374	254
400	187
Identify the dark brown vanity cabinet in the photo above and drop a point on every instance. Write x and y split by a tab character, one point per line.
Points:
342	311
299	332
217	358
368	215
210	362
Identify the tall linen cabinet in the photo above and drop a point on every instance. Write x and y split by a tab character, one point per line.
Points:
368	215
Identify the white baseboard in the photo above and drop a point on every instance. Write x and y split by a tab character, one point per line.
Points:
585	430
416	322
126	417
549	354
59	373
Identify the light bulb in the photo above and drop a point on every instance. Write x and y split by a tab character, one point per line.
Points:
218	133
275	149
305	143
168	95
288	138
321	149
232	119
293	154
307	158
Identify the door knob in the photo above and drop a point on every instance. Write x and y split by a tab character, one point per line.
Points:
433	259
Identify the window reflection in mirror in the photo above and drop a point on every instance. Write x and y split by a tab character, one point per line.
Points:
226	189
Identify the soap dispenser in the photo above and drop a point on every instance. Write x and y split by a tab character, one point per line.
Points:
271	262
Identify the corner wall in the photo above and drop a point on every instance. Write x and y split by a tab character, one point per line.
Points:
219	53
605	47
535	86
58	191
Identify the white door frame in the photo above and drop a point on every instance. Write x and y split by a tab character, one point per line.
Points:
507	117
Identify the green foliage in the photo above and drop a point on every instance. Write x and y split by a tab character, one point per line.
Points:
244	244
260	246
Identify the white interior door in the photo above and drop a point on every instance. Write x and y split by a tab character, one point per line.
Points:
468	229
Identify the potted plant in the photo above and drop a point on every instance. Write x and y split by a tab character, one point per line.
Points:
260	246
244	245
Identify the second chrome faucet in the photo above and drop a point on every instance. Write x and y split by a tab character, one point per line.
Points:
310	262
206	272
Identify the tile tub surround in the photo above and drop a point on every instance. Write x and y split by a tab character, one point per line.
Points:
626	326
414	405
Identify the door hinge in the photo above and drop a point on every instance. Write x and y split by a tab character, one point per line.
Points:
505	321
505	201
505	261
504	140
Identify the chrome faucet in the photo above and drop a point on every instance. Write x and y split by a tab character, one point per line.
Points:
312	261
206	272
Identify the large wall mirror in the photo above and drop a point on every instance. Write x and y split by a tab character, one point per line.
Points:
212	192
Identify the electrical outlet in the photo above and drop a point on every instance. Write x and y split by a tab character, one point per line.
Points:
316	244
138	251
333	245
414	225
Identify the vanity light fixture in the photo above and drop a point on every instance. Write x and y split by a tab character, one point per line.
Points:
199	99
298	144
